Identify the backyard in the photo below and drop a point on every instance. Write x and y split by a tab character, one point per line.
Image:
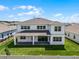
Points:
7	47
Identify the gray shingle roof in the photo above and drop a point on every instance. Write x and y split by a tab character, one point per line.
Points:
35	31
73	28
4	28
39	21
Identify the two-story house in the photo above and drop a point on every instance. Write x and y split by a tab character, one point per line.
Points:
72	32
39	31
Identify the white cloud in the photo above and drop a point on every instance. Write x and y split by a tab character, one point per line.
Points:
3	8
32	10
25	13
58	17
34	13
74	18
58	14
19	7
23	7
30	7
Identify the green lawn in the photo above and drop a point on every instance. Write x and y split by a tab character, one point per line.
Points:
70	49
4	44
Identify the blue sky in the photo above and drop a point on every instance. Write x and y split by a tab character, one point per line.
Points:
56	10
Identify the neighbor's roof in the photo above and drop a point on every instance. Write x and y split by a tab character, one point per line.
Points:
39	21
73	28
4	28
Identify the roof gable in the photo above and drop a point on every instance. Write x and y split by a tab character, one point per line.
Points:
40	21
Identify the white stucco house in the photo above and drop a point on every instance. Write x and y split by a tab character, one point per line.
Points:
6	31
72	32
39	31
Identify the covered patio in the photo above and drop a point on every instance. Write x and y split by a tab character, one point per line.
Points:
32	38
37	40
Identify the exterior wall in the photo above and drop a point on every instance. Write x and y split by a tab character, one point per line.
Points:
28	39
0	36
18	28
7	34
36	39
13	32
71	36
32	27
48	27
54	32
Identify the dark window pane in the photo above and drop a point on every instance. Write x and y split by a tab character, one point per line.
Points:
59	28
22	37
21	27
57	38
37	27
41	27
25	27
55	29
44	27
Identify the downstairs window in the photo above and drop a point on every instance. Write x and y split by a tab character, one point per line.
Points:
22	37
57	38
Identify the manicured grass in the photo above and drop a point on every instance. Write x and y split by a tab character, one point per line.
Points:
70	49
4	44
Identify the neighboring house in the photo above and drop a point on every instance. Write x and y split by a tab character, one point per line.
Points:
6	31
39	31
72	32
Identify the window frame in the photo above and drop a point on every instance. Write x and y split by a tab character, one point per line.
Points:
25	27
57	39
40	27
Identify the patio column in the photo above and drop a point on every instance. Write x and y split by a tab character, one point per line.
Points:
50	40
14	40
33	40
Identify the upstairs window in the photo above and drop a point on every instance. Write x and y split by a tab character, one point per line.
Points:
25	27
57	38
41	27
44	27
22	37
57	28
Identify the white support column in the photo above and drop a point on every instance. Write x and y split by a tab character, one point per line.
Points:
48	38
33	40
14	40
51	40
